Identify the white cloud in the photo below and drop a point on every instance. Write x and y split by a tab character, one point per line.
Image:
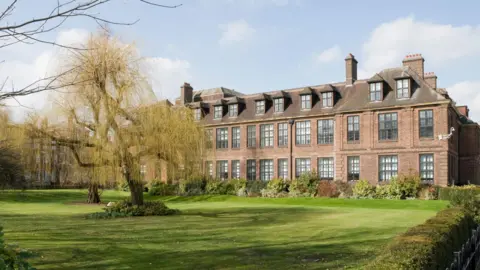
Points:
236	31
329	55
466	93
164	75
438	43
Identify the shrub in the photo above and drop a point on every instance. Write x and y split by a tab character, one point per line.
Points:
363	189
305	185
345	189
328	189
162	189
238	184
429	245
194	185
12	257
382	191
275	188
123	186
254	187
408	184
126	209
428	192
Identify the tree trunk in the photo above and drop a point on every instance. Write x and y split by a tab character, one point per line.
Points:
136	189
93	196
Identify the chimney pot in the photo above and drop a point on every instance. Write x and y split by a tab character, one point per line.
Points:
350	69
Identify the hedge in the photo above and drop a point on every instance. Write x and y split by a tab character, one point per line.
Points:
457	193
429	245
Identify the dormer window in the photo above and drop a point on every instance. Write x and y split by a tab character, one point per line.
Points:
278	105
218	112
403	89
260	106
233	110
327	99
376	91
198	114
306	102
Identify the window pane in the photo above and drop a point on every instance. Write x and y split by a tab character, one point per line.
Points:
282	134
283	168
353	168
353	128
251	170
251	136
222	138
266	169
325	130
302	132
266	135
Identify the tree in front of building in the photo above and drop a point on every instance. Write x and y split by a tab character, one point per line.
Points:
112	122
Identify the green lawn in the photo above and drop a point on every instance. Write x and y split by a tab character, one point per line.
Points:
213	232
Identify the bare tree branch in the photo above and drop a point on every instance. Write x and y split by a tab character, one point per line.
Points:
31	31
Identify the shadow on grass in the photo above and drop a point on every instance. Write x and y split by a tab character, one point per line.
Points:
247	238
55	196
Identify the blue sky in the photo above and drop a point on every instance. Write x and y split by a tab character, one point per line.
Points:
261	45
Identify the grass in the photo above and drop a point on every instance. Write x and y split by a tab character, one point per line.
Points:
213	232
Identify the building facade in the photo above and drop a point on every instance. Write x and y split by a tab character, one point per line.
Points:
395	122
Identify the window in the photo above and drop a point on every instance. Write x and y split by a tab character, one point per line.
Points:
251	136
402	88
218	112
222	138
260	106
302	165
302	132
387	126
266	135
266	169
388	167
353	129
233	110
327	99
282	168
209	168
278	105
282	134
251	169
222	169
325	131
198	114
426	167
209	138
325	168
376	91
306	101
235	137
426	123
235	169
353	172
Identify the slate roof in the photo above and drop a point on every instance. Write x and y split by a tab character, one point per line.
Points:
348	98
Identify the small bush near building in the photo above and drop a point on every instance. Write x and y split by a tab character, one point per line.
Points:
126	209
191	186
275	188
254	187
304	186
328	189
428	192
162	189
344	188
429	245
363	190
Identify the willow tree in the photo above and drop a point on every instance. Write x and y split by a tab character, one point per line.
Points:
112	122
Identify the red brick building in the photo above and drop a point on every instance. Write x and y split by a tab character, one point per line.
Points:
396	121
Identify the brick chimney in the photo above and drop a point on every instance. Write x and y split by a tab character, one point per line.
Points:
463	110
186	94
415	62
350	69
431	79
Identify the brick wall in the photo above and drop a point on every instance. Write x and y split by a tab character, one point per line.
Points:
408	146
